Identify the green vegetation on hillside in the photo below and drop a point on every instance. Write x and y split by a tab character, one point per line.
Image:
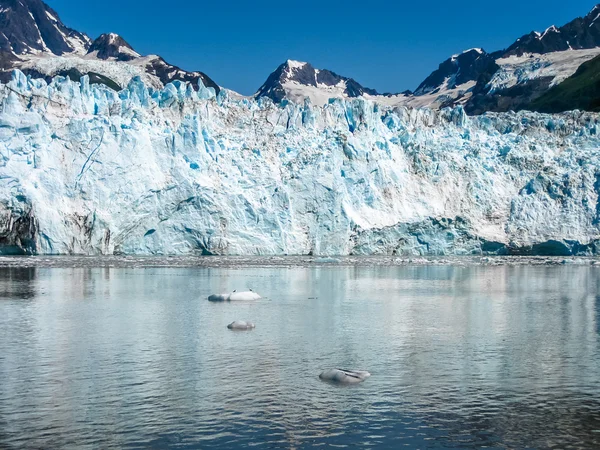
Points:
580	91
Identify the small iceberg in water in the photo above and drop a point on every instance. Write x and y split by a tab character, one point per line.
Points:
341	376
234	296
243	296
241	325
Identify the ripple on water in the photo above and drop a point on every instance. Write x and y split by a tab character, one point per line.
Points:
461	357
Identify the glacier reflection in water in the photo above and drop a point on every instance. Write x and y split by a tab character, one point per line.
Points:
461	357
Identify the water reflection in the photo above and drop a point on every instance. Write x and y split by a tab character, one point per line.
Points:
461	357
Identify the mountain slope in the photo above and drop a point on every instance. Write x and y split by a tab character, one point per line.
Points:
581	91
458	70
581	33
32	27
34	40
501	81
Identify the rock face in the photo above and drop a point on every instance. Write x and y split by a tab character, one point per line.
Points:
458	70
87	170
31	26
581	33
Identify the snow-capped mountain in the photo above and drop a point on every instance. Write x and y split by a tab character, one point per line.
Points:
34	40
504	80
296	81
512	79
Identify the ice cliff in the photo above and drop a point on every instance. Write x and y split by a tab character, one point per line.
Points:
87	170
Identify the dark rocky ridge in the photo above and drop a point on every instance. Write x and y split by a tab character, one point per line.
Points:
581	33
458	69
74	75
167	72
27	25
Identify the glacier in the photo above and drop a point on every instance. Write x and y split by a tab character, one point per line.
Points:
85	170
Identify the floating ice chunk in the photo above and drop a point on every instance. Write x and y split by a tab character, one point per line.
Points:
341	376
240	325
234	297
243	296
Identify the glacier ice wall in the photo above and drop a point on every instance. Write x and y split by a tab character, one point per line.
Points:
86	170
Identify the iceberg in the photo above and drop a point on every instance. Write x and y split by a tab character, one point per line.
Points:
241	325
86	170
341	376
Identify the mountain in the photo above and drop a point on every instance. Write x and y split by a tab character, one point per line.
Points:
294	80
513	78
174	171
505	80
581	33
34	40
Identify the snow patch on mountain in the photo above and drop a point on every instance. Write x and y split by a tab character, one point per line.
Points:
318	95
439	98
119	72
558	66
294	65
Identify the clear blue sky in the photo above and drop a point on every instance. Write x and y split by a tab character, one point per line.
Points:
389	46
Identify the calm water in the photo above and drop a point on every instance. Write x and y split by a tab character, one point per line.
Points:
461	357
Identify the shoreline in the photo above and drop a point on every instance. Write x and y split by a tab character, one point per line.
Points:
286	261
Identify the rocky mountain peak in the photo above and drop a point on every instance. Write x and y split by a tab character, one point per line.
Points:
300	79
581	33
112	46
